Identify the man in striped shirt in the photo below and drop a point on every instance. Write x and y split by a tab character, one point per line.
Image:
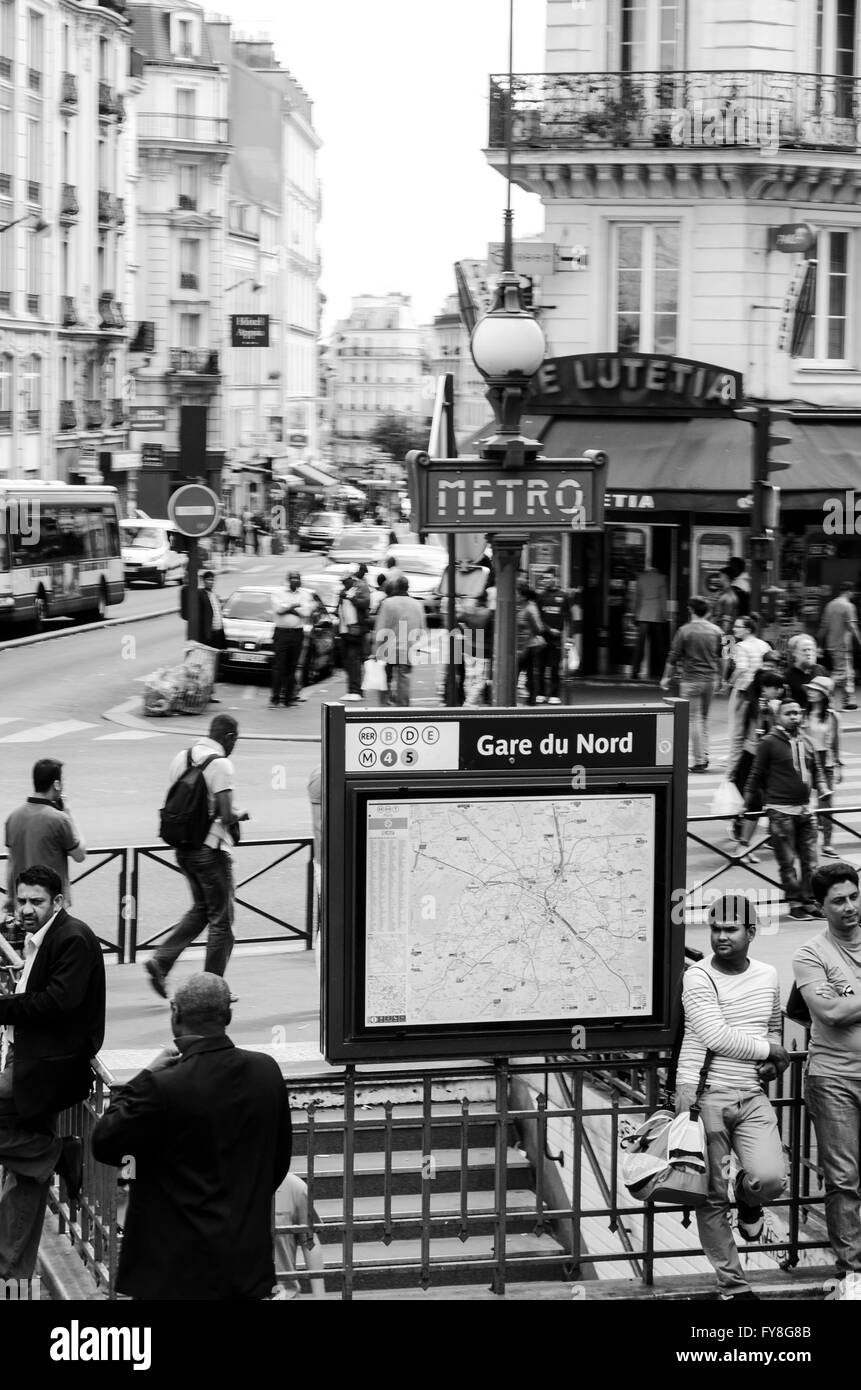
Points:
732	1009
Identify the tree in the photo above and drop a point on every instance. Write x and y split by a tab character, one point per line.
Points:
397	434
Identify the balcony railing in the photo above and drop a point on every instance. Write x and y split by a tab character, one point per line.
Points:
199	360
32	304
105	208
32	419
201	130
119	212
5	421
69	89
93	415
118	411
68	202
110	311
34	80
68	311
709	109
107	101
118	6
187	203
6	69
120	108
68	417
187	280
34	192
5	183
5	301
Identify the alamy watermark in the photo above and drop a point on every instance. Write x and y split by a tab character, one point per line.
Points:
710	123
22	519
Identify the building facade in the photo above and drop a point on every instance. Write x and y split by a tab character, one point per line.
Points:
668	146
180	169
375	367
447	350
66	245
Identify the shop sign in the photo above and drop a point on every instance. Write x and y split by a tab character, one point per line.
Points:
249	330
792	238
636	501
634	381
151	455
147	417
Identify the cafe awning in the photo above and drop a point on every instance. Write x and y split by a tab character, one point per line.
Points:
314	475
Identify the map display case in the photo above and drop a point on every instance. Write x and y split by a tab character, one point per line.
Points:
501	882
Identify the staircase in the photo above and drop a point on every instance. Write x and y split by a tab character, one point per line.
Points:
423	1196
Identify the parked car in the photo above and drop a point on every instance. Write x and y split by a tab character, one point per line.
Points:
423	567
149	551
360	544
320	530
249	627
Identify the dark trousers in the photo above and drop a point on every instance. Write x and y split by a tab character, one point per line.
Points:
550	663
210	877
352	647
527	662
29	1157
791	837
657	635
288	649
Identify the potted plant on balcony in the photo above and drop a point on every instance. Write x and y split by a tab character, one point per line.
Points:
614	119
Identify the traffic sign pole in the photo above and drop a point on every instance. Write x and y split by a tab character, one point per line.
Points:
192	610
195	511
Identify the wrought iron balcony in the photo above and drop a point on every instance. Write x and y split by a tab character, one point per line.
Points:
118	411
68	416
34	192
68	202
198	360
6	69
187	280
107	101
120	108
144	339
110	311
194	130
187	203
33	304
5	421
34	80
32	419
68	89
68	311
613	110
105	207
118	6
119	212
93	415
5	183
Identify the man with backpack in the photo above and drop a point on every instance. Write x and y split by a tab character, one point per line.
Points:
200	821
732	1024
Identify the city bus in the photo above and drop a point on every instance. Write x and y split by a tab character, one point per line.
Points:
59	552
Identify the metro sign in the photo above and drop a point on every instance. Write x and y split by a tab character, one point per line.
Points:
473	494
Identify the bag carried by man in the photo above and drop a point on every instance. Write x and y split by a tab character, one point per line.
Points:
184	819
666	1158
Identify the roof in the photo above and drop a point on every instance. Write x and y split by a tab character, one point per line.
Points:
151	35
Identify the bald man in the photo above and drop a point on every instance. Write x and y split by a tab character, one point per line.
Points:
204	1132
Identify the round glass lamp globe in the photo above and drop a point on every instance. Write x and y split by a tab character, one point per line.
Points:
506	344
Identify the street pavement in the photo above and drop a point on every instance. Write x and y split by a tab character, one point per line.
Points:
79	698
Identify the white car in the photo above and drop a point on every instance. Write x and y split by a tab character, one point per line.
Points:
147	549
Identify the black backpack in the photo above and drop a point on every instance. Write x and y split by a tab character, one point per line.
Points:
184	819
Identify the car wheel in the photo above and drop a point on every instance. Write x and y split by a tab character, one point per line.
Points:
100	612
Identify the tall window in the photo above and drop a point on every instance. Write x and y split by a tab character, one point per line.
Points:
185	104
5	149
188	178
104	60
31	390
826	339
189	330
836	39
64	266
189	263
35	48
7	382
34	272
7	274
185	45
646	286
646	36
7	35
34	161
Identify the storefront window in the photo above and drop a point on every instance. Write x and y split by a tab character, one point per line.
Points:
646	309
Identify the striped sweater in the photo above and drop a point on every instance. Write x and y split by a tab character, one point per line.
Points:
736	1023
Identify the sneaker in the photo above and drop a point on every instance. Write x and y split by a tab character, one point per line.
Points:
812	906
156	978
749	858
800	914
352	697
301	699
699	767
829	852
752	1225
739	1297
541	699
554	700
851	706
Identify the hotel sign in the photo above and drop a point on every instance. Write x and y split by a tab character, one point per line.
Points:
472	494
249	330
634	382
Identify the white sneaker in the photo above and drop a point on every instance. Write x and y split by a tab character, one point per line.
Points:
352	697
851	1289
554	700
540	700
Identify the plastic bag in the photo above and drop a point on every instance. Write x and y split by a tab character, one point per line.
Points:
727	800
374	675
572	658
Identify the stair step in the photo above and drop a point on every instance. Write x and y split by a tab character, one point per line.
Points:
406	1129
526	1259
406	1213
406	1174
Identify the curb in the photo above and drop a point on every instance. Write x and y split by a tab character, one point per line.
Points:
72	629
122	714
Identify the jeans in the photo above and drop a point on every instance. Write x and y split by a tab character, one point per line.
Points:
210	877
741	1122
29	1157
288	649
398	677
826	824
699	694
527	662
834	1103
476	677
352	647
549	663
791	836
843	668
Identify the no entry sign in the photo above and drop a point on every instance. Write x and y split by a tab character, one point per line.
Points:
194	510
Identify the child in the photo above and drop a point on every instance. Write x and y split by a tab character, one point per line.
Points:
759	714
823	731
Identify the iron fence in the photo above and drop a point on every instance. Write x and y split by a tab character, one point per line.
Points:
89	1221
96	860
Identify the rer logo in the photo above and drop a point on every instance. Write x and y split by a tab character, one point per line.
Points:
367	736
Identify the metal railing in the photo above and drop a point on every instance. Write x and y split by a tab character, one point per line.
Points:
455	1171
619	109
203	130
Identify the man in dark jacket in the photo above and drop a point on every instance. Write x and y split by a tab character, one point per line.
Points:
207	1129
783	775
56	1023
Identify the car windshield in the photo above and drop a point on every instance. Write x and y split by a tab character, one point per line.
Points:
142	537
323	519
249	605
414	562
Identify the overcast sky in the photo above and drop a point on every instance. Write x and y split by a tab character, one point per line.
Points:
400	101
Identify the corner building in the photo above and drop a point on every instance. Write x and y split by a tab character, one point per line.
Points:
668	140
